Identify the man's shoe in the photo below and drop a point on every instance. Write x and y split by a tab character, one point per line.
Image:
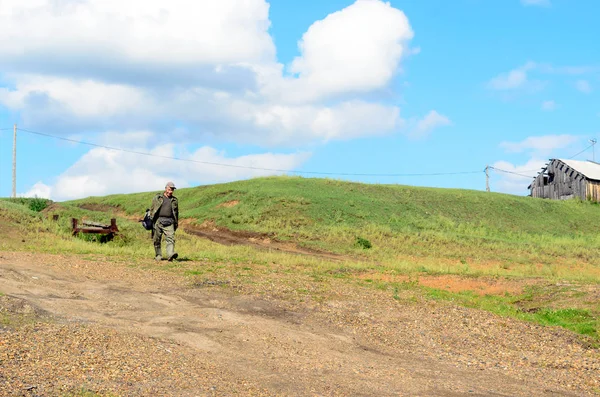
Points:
158	258
174	256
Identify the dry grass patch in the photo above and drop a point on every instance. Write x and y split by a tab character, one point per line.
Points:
228	204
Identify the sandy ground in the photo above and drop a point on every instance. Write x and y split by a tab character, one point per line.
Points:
129	331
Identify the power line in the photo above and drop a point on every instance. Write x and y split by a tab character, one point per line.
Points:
581	151
510	172
242	166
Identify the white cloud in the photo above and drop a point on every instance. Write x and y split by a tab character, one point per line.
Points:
348	120
136	31
355	50
514	179
583	86
79	98
232	117
516	78
540	144
39	190
208	67
533	77
428	123
540	3
126	172
548	105
350	52
519	79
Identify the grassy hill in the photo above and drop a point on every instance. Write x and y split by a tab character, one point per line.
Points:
314	204
383	234
398	221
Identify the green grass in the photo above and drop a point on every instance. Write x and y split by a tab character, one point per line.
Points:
581	321
395	220
35	204
379	229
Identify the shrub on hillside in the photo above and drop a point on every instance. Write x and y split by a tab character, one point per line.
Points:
363	243
38	204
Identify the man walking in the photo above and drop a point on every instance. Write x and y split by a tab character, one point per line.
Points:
165	216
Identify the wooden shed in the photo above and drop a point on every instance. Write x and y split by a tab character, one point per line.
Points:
564	179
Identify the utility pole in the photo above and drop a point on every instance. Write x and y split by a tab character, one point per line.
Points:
593	141
14	176
487	178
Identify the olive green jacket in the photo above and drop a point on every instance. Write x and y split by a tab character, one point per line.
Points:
157	202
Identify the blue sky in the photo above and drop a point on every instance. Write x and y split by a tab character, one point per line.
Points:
404	92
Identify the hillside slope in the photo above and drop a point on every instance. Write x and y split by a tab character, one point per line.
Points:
337	216
292	202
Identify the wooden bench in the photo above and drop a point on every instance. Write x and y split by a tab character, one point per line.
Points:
94	227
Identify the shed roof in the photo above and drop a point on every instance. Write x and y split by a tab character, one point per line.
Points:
589	169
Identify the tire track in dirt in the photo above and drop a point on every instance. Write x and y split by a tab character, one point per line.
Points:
222	235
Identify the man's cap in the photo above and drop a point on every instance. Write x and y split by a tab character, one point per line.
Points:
171	185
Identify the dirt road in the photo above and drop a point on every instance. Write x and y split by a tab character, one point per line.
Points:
131	331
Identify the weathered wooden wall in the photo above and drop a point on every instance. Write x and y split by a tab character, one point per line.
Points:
567	183
593	191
